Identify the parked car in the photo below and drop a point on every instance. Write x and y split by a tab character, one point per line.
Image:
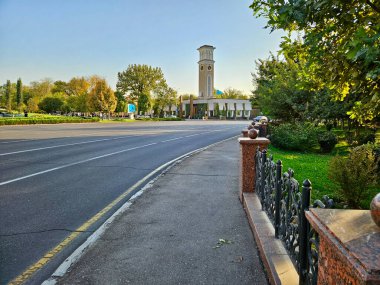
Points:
261	119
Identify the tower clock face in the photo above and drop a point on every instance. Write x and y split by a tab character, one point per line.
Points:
209	67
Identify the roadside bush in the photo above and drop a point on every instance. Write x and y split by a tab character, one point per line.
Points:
327	141
46	120
355	174
160	119
294	136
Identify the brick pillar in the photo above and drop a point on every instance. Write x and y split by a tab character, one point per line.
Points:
247	163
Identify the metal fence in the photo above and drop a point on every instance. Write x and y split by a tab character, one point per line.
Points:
285	203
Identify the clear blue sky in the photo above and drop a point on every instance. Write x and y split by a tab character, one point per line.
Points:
60	39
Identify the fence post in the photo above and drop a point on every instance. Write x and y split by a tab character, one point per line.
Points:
278	197
262	182
247	179
303	232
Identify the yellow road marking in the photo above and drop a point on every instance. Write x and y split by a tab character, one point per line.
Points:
49	255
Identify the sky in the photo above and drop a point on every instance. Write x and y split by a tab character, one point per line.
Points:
62	39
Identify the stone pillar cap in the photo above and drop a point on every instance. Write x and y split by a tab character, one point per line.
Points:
249	141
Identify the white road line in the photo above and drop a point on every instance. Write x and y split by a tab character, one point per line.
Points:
213	131
74	163
86	142
93	158
14	141
60	145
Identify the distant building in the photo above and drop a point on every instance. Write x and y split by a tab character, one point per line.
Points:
208	104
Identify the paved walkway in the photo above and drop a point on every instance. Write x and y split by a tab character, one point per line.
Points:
188	228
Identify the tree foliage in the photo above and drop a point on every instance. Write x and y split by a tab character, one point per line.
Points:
138	82
343	39
8	95
288	88
122	104
231	93
103	96
19	97
164	96
51	104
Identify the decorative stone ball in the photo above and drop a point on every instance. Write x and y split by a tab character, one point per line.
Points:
253	133
250	127
375	209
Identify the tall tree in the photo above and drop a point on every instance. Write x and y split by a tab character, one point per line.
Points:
19	95
138	83
61	87
8	96
77	86
164	97
42	88
121	105
277	89
19	92
104	96
342	37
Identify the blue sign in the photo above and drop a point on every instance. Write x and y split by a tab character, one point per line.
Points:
131	108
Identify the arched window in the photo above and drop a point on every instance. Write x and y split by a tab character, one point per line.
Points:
209	86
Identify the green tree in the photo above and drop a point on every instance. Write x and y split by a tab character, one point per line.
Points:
164	96
51	104
61	87
32	104
104	96
216	110
278	91
231	93
19	95
342	39
8	96
138	82
42	88
77	86
121	106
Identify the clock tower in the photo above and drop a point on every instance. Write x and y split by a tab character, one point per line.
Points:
206	72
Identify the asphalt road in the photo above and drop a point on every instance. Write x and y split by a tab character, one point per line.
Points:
56	178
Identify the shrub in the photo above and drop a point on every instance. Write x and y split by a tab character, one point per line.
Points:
294	136
46	120
355	174
360	137
329	126
327	141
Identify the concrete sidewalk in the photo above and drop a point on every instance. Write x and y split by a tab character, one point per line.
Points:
188	228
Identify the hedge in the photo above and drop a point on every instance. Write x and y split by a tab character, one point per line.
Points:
45	120
160	119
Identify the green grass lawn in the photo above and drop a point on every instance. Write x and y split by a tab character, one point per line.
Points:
312	166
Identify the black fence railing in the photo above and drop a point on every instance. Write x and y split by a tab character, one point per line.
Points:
285	204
